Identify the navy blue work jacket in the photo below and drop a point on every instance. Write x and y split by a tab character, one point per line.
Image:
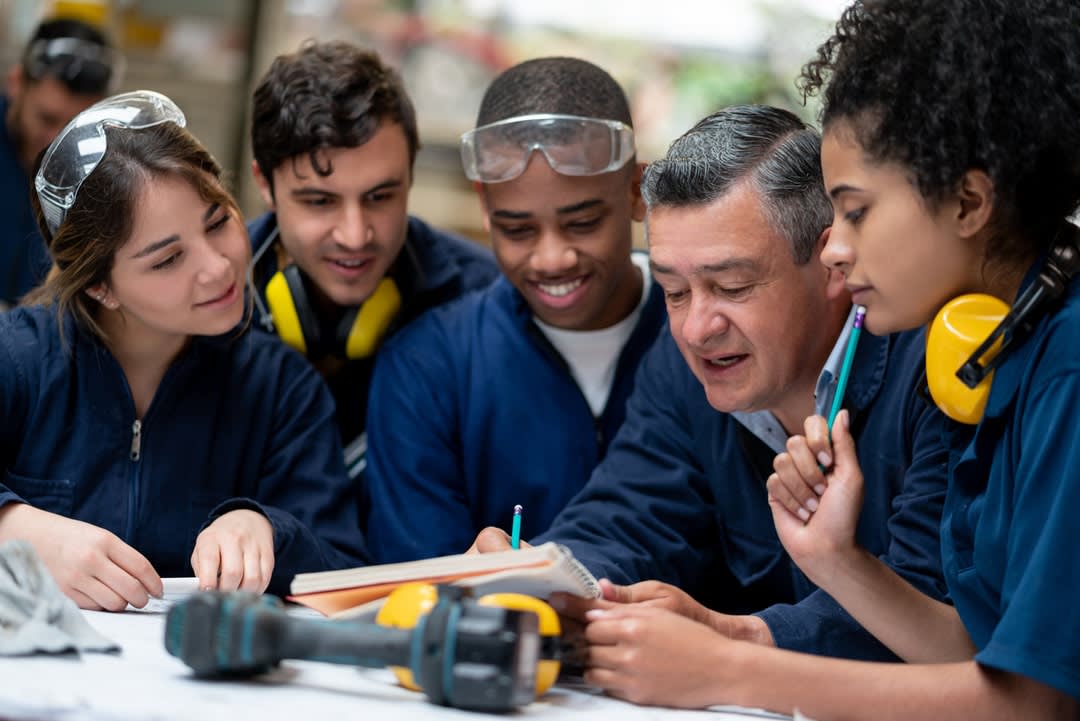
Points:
474	411
23	257
434	267
237	422
681	497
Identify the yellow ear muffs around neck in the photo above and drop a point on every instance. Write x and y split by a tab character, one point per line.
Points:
359	332
294	319
362	332
959	328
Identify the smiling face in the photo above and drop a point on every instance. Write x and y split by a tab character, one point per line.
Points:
564	242
345	229
181	273
754	327
901	258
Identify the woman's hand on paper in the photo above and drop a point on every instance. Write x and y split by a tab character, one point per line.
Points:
90	565
816	512
649	655
235	552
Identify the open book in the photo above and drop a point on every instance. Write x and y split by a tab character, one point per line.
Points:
538	571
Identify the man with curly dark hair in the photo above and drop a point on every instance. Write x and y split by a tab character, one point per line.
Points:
339	264
950	154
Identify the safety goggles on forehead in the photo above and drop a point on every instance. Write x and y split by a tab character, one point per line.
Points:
571	144
79	147
83	66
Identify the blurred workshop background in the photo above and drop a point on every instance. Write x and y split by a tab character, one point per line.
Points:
677	59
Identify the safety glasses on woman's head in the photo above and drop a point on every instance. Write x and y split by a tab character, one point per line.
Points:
79	147
571	144
83	66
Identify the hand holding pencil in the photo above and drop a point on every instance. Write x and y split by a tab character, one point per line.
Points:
817	528
817	489
801	472
493	539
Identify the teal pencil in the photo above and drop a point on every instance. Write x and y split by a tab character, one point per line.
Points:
849	360
515	531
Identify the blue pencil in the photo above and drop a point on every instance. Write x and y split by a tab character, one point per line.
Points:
849	360
515	532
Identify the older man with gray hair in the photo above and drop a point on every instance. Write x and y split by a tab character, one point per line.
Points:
737	218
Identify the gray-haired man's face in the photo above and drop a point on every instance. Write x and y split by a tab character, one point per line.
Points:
747	319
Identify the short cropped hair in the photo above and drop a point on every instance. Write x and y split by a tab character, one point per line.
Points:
559	85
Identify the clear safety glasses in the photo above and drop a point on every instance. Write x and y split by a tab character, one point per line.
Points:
83	66
79	147
572	145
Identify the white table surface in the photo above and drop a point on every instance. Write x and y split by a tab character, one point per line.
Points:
144	682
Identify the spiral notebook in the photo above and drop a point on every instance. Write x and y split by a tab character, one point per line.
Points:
538	571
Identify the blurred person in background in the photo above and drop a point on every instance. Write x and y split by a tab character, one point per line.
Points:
65	68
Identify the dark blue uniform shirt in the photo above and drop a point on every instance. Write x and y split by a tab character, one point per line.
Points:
433	268
473	411
237	422
681	497
24	261
1010	535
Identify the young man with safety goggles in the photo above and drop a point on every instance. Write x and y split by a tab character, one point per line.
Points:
65	68
339	264
512	395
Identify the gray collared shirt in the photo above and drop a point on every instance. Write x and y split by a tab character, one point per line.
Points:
764	424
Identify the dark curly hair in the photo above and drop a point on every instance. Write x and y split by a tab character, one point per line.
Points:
325	95
943	87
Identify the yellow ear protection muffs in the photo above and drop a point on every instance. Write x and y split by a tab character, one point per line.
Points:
408	602
971	335
358	333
